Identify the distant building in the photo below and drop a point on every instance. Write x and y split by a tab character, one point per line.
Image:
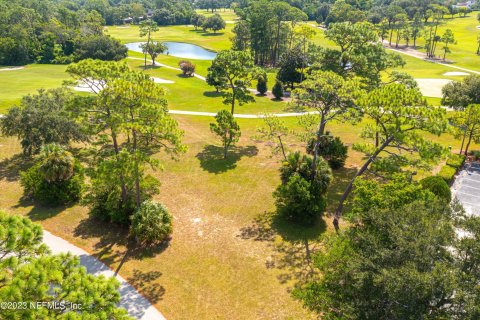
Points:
469	4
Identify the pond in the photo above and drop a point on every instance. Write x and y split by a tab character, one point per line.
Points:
180	50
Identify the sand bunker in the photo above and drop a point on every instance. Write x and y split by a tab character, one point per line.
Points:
93	86
12	69
456	73
159	80
432	87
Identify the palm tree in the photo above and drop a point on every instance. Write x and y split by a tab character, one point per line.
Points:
56	164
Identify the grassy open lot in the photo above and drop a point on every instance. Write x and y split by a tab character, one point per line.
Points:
229	257
17	83
226	259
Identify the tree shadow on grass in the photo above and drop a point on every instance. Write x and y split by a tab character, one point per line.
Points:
211	34
212	94
184	76
110	236
149	66
206	33
10	168
40	213
211	157
145	283
293	246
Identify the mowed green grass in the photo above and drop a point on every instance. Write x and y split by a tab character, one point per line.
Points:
193	94
187	94
464	51
15	84
208	40
221	262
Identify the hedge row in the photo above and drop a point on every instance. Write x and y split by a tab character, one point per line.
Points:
454	163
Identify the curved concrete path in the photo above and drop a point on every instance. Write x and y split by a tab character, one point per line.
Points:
240	115
135	304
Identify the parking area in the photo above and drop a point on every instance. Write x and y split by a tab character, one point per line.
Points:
466	188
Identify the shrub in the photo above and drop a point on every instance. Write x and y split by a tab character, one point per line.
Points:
151	223
456	160
476	155
187	68
290	64
104	197
301	196
56	178
438	186
277	90
331	149
447	173
52	193
262	86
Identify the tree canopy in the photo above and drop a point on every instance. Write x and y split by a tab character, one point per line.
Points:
49	112
232	72
29	273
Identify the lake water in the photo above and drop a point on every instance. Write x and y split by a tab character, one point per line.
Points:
180	49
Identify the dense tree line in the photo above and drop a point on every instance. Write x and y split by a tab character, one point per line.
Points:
267	29
215	5
402	258
270	28
50	32
30	273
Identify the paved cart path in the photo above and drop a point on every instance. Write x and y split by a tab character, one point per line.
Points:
136	305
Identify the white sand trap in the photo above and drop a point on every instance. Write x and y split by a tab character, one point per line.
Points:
159	80
83	88
230	21
456	73
12	69
478	27
94	86
123	27
432	87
